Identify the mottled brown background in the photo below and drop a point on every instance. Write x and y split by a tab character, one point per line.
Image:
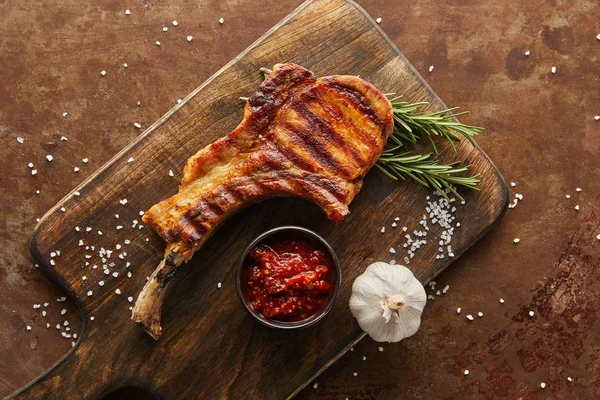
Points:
540	132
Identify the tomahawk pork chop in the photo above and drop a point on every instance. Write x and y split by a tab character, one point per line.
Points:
300	136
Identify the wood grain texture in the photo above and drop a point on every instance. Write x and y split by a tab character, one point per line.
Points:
211	348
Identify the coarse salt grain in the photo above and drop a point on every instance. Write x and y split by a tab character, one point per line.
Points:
221	20
44	313
137	125
175	23
578	190
480	314
127	12
219	285
76	169
466	372
316	385
20	139
85	160
33	171
130	299
470	317
101	283
355	373
568	196
531	313
597	117
157	43
28	327
165	29
543	385
171	173
118	291
569	379
189	38
577	207
458	310
553	69
49	158
527	52
383	229
392	250
130	159
378	20
63	311
125	65
380	349
123	201
501	301
516	240
431	68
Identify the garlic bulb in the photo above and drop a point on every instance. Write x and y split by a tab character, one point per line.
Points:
387	301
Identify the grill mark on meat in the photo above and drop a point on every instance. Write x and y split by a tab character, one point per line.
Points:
358	101
337	114
306	141
318	124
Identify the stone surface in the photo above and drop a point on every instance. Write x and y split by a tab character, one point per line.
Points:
540	132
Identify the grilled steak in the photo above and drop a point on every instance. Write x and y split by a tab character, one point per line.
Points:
300	136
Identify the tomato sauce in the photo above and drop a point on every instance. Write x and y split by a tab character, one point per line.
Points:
288	277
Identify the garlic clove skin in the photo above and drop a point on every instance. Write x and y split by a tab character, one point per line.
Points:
387	302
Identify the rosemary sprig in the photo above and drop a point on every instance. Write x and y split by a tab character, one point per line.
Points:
410	124
426	171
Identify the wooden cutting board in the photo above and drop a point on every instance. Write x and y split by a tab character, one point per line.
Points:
211	348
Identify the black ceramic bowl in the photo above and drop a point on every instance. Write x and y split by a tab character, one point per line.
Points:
273	323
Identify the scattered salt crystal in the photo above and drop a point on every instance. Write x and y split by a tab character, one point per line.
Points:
91	318
221	20
157	43
543	385
355	373
49	158
189	38
516	240
129	274
20	139
63	209
125	65
597	117
137	125
458	310
118	291
127	12
431	68
577	207
85	160
470	317
130	299
383	229
33	171
568	196
531	313
123	201
83	278
480	314
501	301
466	372
115	274
165	29
219	285
578	190
44	313
553	69
130	159
171	173
568	377
392	250
76	169
101	283
380	349
378	20
28	327
63	311
316	385
175	23
527	52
